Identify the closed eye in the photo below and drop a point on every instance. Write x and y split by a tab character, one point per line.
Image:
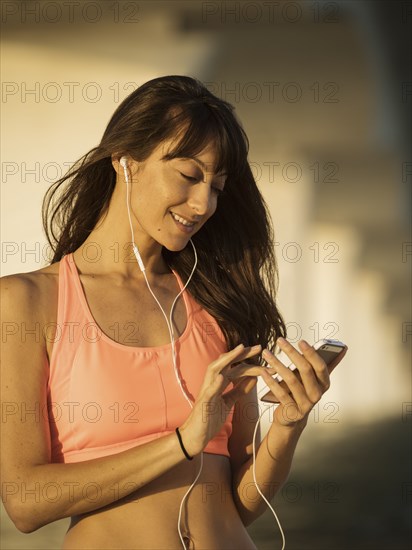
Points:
191	178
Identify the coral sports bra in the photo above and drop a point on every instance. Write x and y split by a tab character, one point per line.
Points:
104	397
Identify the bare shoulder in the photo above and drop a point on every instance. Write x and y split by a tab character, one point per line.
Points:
31	295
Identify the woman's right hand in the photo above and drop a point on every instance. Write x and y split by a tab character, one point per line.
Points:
211	407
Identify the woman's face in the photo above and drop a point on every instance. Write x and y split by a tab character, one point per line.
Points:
188	187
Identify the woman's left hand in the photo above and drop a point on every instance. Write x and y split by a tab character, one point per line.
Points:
299	392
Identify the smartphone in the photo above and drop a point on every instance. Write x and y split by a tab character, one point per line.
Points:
327	349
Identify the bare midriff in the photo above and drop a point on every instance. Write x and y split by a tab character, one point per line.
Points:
148	517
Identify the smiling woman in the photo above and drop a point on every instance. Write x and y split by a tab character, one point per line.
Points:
172	120
139	411
165	179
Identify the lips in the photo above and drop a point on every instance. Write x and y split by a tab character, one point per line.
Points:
186	219
183	228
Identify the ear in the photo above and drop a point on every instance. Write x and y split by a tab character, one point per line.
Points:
133	165
116	164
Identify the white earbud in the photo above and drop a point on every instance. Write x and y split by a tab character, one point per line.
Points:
123	162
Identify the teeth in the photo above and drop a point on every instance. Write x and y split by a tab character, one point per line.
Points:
181	220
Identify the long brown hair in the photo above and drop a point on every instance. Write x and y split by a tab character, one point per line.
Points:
236	278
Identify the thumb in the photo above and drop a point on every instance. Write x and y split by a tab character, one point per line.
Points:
240	390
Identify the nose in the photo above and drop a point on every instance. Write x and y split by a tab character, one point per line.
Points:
201	199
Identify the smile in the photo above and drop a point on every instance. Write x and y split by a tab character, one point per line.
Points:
182	220
182	225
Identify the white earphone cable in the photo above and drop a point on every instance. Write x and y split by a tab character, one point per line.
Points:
123	162
254	477
170	327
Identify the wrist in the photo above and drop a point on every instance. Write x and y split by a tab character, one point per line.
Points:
182	445
189	441
297	426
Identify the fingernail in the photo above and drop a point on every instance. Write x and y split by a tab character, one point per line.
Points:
304	344
281	340
266	354
240	346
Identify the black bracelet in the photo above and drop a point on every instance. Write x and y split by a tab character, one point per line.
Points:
183	447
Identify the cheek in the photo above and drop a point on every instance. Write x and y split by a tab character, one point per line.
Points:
174	196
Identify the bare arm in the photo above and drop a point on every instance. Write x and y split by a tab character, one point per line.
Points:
34	491
273	462
274	457
28	475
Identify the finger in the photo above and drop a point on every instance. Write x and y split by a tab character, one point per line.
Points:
240	390
245	369
250	351
280	390
312	368
213	373
290	411
215	379
297	358
293	382
318	364
235	355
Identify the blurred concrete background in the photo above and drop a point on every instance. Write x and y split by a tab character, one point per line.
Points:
324	92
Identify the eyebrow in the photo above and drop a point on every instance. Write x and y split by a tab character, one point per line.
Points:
202	165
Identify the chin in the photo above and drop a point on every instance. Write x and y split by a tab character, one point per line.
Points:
175	248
